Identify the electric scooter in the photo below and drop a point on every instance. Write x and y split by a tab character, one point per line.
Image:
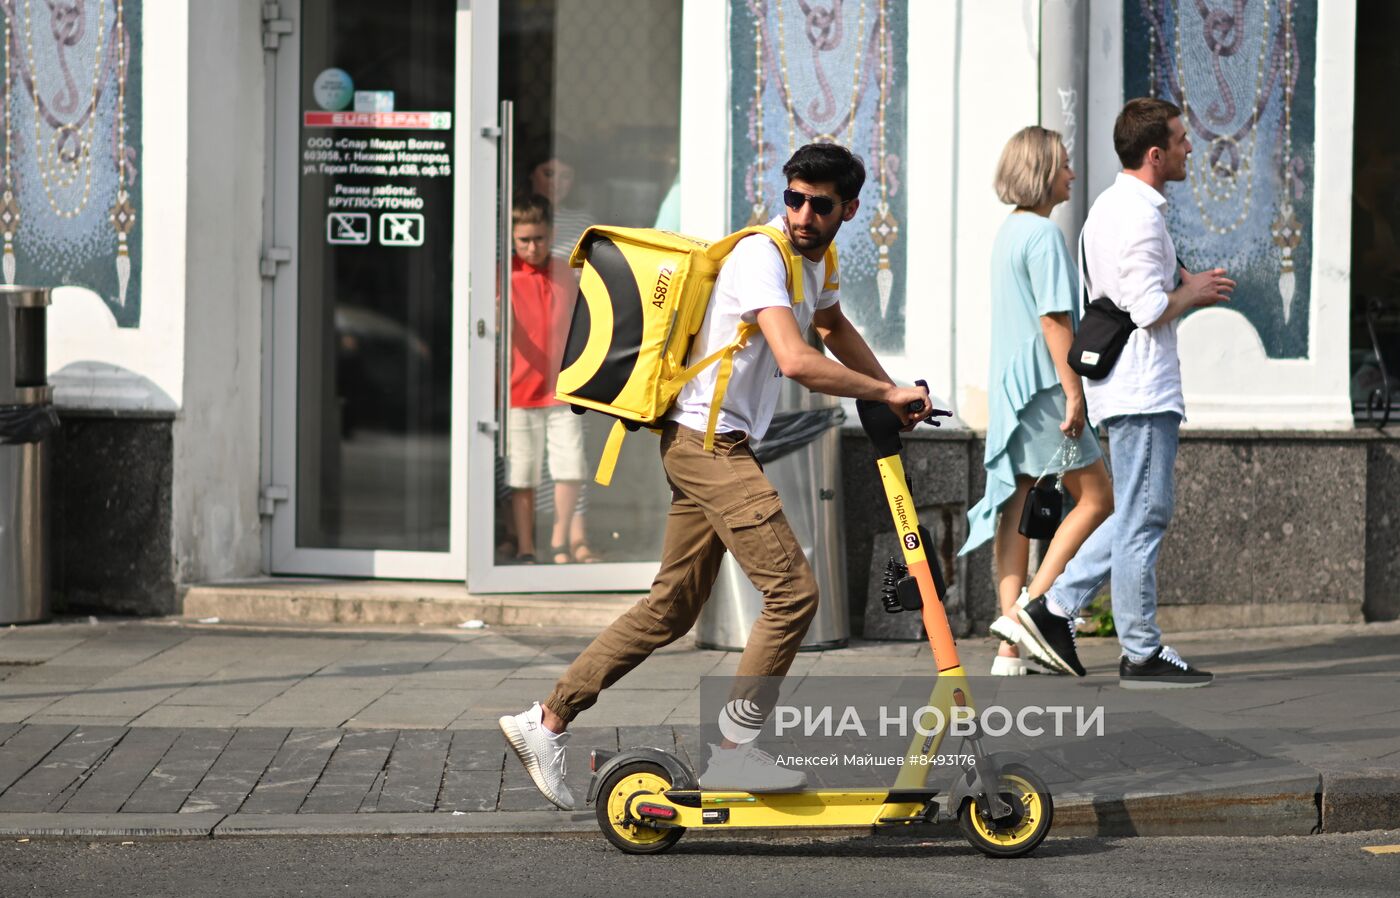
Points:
646	798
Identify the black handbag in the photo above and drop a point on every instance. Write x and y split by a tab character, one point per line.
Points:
1103	331
1045	506
1045	503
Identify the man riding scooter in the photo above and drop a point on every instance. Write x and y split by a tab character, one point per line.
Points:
720	499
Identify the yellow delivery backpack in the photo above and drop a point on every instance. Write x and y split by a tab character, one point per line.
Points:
642	297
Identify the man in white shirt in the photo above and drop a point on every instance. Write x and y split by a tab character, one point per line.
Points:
1129	258
720	499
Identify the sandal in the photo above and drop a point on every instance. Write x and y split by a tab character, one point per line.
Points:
527	558
560	554
584	555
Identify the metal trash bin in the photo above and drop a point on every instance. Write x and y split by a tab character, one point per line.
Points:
27	416
808	480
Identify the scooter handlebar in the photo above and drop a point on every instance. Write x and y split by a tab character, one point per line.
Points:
918	405
883	426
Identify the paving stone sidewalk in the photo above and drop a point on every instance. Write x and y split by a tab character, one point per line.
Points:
222	724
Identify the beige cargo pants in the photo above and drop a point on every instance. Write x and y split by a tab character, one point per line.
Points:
719	500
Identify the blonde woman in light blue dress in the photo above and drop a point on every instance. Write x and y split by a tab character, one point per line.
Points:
1036	412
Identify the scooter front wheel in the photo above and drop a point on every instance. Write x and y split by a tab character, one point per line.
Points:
1024	828
616	823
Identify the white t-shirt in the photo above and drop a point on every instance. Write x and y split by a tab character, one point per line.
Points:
753	278
1132	260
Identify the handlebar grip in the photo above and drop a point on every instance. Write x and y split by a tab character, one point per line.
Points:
918	404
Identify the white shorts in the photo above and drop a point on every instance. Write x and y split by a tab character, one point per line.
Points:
530	431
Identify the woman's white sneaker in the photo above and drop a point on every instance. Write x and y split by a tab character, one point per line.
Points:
1002	666
541	751
1008	630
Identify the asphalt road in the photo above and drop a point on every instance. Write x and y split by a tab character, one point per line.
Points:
584	866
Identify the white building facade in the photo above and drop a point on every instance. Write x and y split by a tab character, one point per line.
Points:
300	372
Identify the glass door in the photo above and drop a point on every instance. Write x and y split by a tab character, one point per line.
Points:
368	386
578	122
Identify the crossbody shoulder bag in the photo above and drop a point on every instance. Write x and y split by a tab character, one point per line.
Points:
1103	330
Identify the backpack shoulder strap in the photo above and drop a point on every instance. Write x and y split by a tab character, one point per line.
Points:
1083	277
1085	287
833	269
607	462
726	368
721	248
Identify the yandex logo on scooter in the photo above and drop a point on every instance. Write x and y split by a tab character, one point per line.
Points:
903	517
906	519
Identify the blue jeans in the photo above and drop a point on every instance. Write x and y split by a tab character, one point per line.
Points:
1142	450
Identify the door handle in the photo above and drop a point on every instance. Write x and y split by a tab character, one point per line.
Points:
505	153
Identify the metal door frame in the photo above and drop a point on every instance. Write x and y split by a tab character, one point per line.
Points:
279	489
483	573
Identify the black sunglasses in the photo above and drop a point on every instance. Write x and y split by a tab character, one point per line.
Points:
822	205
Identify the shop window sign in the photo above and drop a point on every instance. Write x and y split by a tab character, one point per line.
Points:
374	258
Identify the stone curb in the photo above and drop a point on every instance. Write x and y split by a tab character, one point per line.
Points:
1298	804
1282	807
294	602
233	826
1359	800
407	603
108	826
539	823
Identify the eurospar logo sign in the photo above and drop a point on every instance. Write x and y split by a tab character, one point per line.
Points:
413	121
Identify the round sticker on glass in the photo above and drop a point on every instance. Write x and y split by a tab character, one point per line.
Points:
333	89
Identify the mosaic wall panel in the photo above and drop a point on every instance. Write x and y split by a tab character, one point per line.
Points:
834	71
1243	72
71	137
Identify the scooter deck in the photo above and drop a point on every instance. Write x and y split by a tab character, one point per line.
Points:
814	808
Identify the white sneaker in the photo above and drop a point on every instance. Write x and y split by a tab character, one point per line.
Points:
747	769
1006	627
541	751
1008	630
1003	666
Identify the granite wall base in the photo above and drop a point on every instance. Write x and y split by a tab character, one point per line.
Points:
111	495
1270	529
1383	531
1267	520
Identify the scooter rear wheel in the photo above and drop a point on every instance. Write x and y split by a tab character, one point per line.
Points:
617	790
1032	811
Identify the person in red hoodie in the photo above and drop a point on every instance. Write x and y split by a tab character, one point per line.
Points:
539	426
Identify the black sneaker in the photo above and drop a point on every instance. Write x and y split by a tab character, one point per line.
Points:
1164	670
1049	637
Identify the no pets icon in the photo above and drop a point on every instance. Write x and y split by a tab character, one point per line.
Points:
401	229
